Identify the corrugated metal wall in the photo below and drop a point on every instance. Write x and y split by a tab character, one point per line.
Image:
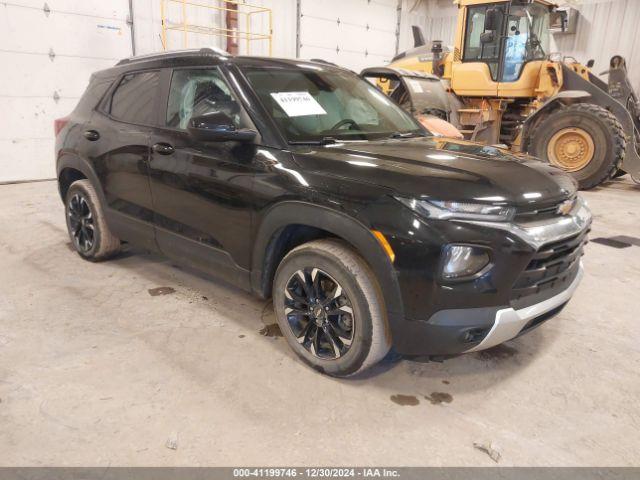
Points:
605	28
437	18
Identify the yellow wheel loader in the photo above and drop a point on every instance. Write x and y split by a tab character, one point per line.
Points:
506	88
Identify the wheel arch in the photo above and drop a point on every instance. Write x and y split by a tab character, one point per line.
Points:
71	168
271	245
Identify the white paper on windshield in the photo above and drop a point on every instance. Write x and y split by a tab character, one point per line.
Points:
415	86
298	104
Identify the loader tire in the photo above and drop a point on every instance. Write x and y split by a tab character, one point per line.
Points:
585	140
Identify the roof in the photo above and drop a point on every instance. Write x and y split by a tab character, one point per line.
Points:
203	52
210	56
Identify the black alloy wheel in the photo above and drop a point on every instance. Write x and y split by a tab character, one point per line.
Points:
81	223
319	313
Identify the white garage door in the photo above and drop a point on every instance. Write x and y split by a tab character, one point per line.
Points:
354	34
48	52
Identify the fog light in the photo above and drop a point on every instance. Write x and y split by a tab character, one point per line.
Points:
462	261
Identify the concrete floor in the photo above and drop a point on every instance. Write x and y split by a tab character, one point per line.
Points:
95	371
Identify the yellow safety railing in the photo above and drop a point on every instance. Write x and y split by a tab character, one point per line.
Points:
246	9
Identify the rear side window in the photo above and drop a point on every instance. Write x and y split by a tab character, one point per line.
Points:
93	94
134	99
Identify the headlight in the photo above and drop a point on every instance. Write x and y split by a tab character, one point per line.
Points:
445	209
463	261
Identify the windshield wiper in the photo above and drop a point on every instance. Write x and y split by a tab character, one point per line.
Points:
322	141
406	135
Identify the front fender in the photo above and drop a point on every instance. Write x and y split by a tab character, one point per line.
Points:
347	228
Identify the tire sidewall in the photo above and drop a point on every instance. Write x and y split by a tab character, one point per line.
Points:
79	187
350	362
599	165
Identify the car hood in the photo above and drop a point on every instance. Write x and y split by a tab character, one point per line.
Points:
442	168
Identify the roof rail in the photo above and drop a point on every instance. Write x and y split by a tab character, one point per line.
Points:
326	62
207	51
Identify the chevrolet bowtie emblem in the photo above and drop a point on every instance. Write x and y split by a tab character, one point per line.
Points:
565	207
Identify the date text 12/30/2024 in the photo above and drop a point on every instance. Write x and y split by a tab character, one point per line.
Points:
315	473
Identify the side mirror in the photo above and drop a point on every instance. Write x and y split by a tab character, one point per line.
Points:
491	20
487	37
591	63
218	127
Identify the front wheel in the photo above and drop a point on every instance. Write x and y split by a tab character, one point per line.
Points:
330	309
585	140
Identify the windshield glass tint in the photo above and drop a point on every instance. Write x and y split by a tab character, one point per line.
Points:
314	104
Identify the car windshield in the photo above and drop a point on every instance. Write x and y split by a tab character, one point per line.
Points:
314	104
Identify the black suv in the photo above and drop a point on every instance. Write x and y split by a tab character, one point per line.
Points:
301	181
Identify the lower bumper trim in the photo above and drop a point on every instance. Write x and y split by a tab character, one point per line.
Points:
509	322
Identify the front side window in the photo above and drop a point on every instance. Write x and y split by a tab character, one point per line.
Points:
312	104
196	92
134	99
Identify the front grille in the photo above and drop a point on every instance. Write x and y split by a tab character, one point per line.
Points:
539	320
551	269
540	214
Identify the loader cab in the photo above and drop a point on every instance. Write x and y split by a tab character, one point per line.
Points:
501	47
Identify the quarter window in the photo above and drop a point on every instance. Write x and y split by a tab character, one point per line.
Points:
198	92
134	99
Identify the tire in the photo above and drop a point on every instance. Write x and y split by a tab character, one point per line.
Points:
607	141
619	173
92	239
333	262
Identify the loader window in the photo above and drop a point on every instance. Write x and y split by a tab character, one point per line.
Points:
527	38
474	49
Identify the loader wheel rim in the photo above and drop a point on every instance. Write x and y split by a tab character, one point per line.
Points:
571	149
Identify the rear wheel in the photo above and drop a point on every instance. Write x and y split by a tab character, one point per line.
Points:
585	140
88	230
330	309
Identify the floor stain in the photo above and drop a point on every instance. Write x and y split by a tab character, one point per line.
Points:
154	292
436	398
241	336
267	316
611	242
499	352
272	330
446	382
405	400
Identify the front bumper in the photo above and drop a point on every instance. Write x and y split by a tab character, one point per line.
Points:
536	269
510	323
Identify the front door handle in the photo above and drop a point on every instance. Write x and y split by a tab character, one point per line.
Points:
91	135
163	148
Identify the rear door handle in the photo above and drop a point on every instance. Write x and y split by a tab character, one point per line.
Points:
91	135
163	148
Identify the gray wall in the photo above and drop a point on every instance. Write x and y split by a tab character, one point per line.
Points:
605	28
